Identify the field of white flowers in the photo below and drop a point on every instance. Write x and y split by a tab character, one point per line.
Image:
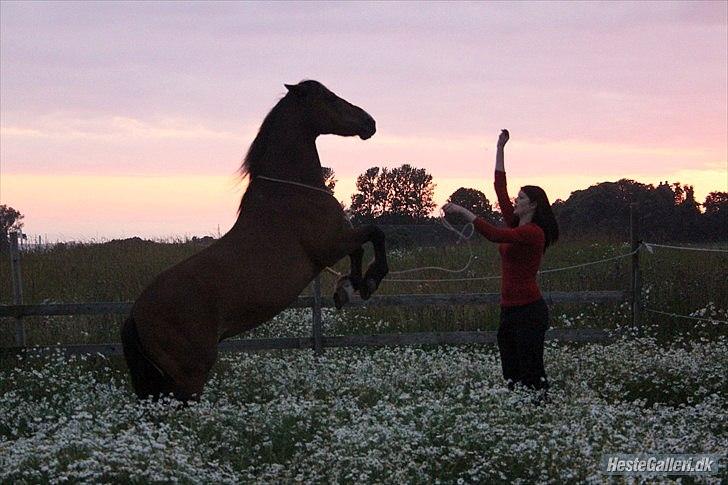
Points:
423	415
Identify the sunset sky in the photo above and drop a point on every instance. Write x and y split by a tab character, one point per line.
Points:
125	119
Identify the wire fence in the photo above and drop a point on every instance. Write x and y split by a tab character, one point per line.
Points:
709	319
649	246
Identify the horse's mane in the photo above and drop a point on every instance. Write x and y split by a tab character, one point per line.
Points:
253	158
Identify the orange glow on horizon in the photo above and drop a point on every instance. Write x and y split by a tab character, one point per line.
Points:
95	207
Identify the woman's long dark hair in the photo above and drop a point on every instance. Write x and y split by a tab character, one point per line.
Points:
544	216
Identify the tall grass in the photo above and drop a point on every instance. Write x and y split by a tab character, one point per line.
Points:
679	282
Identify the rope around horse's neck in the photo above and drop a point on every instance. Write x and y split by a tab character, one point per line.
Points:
299	184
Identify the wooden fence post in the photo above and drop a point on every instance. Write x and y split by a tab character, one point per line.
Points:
636	282
17	287
316	313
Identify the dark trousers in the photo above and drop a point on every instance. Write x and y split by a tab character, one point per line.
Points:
520	342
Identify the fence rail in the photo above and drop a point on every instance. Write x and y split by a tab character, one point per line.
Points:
317	341
120	308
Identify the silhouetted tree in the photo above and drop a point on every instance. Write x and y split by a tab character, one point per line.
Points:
400	195
10	220
716	202
716	216
667	212
601	209
687	220
329	177
367	203
412	192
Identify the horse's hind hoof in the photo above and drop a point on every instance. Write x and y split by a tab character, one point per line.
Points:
368	288
340	299
337	301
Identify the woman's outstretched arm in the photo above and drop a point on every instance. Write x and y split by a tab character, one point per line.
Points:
528	234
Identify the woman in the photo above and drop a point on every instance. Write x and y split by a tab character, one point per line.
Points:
524	315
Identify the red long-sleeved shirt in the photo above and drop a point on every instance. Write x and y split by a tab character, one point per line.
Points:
521	249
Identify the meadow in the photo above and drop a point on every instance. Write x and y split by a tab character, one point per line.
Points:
391	415
414	414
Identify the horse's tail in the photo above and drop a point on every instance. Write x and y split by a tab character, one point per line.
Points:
146	378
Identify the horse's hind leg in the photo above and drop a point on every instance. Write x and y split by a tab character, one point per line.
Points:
181	374
191	388
191	373
148	381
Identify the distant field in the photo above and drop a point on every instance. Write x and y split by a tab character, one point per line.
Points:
681	282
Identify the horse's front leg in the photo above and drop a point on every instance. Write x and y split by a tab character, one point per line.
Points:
347	285
366	285
378	268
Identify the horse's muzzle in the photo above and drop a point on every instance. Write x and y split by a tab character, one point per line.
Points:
368	130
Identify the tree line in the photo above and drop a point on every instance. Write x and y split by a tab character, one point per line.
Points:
668	211
405	195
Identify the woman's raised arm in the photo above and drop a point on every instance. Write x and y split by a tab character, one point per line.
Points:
499	158
501	190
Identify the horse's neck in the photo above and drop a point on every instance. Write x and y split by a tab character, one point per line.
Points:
297	164
293	157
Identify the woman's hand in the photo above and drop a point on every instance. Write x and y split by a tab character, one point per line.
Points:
503	138
500	164
451	208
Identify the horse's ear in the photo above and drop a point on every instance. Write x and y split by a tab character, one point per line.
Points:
296	90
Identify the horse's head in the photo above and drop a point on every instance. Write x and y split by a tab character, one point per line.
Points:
326	113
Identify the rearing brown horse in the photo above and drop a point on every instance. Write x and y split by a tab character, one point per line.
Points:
288	229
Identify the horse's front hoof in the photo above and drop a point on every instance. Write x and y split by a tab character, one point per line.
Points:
343	293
